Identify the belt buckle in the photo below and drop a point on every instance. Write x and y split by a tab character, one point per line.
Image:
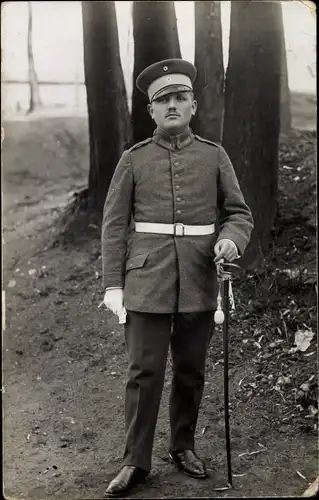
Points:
179	229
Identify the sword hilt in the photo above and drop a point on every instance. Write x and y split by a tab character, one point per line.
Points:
225	271
228	271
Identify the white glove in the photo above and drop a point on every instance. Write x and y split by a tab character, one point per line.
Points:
113	299
225	249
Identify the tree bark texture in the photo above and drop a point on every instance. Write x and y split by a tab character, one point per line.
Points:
155	38
35	100
109	121
209	84
252	112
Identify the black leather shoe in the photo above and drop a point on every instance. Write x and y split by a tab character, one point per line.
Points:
128	477
189	463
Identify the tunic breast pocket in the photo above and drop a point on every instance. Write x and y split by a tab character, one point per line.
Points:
136	262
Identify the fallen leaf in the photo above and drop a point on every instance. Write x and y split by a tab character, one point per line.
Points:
305	387
283	380
32	272
293	350
12	283
303	339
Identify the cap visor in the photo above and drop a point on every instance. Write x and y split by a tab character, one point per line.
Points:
171	89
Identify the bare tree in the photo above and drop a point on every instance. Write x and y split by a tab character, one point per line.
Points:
252	111
109	121
155	38
35	100
209	84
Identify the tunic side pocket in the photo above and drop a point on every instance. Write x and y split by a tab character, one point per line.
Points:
136	262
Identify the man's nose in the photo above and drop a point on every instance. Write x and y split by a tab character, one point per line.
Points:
172	102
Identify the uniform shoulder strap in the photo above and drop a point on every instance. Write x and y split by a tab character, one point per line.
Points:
199	138
140	144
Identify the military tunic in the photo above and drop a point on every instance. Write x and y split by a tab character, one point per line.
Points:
166	179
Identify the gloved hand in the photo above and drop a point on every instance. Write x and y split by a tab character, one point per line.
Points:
113	299
225	249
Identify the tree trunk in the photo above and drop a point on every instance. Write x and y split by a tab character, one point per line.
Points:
35	100
109	122
285	100
209	84
155	38
252	112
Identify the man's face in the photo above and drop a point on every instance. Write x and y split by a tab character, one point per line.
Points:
173	112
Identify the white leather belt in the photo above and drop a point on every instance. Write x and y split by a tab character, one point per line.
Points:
177	229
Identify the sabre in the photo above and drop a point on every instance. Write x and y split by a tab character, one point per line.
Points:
224	300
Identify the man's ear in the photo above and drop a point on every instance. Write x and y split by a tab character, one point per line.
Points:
150	110
194	107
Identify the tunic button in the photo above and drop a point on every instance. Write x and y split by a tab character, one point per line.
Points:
179	212
176	176
176	163
178	198
176	187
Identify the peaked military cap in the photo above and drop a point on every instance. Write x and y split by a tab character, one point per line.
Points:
164	77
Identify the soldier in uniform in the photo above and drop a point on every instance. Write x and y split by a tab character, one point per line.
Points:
173	188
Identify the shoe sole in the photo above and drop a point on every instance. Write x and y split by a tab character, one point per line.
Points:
179	466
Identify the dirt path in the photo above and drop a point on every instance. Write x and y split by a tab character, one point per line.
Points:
65	361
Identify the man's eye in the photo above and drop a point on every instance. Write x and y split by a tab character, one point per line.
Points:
181	97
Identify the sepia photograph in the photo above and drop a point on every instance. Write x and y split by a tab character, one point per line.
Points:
159	249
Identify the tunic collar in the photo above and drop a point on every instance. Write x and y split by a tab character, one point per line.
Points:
173	142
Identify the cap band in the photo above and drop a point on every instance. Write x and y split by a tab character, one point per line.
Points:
167	81
170	90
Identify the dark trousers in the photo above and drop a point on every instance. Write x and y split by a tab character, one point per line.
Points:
148	337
